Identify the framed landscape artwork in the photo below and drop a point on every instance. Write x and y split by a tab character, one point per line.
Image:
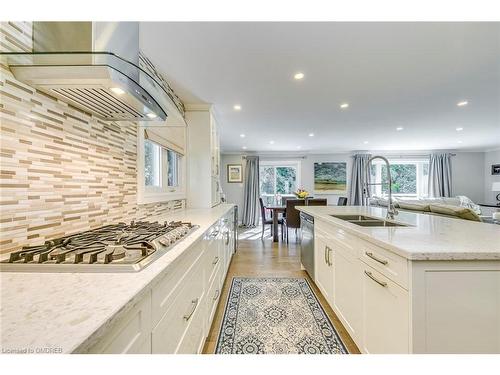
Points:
234	173
330	177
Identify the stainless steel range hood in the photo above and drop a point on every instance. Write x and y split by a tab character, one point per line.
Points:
93	66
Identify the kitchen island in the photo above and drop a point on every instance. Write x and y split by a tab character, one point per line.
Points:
421	284
128	312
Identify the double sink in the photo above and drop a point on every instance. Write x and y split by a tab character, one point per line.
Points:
367	221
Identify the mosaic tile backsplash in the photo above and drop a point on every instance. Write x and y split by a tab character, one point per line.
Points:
61	170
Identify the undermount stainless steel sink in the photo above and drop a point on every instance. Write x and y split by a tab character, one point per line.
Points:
367	221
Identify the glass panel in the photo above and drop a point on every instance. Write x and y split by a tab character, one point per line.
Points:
286	180
404	179
173	168
267	180
152	154
126	68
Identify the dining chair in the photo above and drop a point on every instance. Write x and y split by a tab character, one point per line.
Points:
292	218
265	221
342	201
317	202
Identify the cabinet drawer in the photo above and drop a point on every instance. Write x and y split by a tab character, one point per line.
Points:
213	295
132	334
386	262
194	337
168	287
188	302
212	259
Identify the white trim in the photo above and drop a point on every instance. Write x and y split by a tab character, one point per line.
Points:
151	194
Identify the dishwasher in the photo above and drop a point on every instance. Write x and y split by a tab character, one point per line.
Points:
307	243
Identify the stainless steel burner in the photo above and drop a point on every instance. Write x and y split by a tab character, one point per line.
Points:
112	248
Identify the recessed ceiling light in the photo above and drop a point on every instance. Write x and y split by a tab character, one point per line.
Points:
271	142
365	142
459	129
462	103
298	76
299	146
242	136
459	142
237	107
311	134
399	128
151	115
344	105
244	147
117	90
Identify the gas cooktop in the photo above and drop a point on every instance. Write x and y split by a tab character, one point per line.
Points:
112	248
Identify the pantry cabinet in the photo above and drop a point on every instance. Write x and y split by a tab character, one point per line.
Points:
203	144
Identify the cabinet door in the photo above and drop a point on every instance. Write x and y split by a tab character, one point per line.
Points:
348	301
323	268
132	335
385	314
169	333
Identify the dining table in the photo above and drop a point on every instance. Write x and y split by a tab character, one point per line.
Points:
276	209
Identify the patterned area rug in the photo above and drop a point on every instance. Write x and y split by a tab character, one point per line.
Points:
275	316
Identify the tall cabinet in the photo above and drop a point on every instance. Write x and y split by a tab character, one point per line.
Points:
203	157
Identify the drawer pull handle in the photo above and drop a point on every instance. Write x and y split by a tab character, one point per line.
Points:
227	237
216	260
326	249
217	293
195	304
330	263
381	283
381	261
215	234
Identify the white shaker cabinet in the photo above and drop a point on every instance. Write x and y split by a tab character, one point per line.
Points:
385	314
347	288
323	266
389	304
203	157
175	315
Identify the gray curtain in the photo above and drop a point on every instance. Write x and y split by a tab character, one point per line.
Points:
358	179
251	197
440	175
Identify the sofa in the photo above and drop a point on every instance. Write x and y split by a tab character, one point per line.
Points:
459	207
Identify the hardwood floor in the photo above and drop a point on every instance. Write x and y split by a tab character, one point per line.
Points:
261	258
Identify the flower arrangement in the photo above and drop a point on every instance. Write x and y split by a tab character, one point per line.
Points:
301	193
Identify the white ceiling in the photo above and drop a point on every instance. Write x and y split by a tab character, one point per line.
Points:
392	74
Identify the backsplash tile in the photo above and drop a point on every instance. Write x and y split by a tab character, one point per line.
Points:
61	170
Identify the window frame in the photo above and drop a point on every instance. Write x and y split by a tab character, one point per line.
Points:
162	193
421	182
280	163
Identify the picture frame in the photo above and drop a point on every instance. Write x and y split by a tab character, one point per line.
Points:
495	169
234	173
330	177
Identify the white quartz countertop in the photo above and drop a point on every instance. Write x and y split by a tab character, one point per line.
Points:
427	237
68	312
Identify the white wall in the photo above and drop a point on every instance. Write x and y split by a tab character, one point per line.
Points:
467	175
234	191
307	174
490	158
